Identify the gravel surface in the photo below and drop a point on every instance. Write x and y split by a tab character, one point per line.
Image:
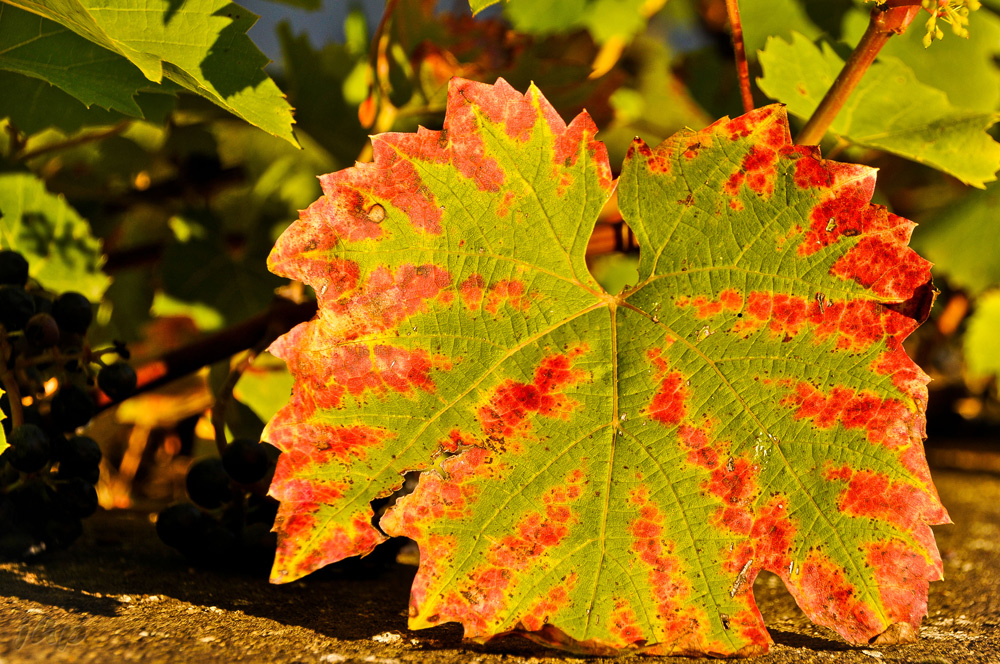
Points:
120	596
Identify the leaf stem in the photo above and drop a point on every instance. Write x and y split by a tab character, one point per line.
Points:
736	26
75	141
225	394
885	20
13	397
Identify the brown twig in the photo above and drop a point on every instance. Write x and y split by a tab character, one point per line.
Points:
886	20
281	317
75	141
736	26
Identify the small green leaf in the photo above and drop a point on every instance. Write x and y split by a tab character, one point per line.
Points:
62	254
479	5
890	109
265	386
982	339
43	49
963	239
203	48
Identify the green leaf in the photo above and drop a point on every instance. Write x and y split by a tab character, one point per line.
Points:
200	45
604	19
962	239
201	272
982	341
40	48
890	109
608	474
61	252
33	105
317	82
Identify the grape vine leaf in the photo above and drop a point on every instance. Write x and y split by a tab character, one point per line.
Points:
889	110
203	48
980	344
602	473
43	49
62	253
33	106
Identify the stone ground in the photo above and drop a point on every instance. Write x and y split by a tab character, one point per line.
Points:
120	596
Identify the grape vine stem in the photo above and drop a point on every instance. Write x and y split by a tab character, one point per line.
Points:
740	52
886	20
282	316
225	394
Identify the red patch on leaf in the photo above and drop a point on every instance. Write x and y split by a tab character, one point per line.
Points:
757	170
903	576
669	403
509	291
908	507
507	411
886	421
701	453
823	591
680	622
555	599
736	484
625	625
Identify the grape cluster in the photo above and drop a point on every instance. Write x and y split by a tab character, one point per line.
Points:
230	520
46	489
50	378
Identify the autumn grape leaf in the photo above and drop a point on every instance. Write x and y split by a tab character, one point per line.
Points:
608	474
890	109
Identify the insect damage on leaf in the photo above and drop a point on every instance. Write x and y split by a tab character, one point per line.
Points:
609	474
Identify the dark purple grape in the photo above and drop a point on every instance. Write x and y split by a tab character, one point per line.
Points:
29	448
71	407
61	530
117	380
31	501
261	509
207	483
80	456
42	331
245	460
76	497
73	313
13	268
181	526
16	308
